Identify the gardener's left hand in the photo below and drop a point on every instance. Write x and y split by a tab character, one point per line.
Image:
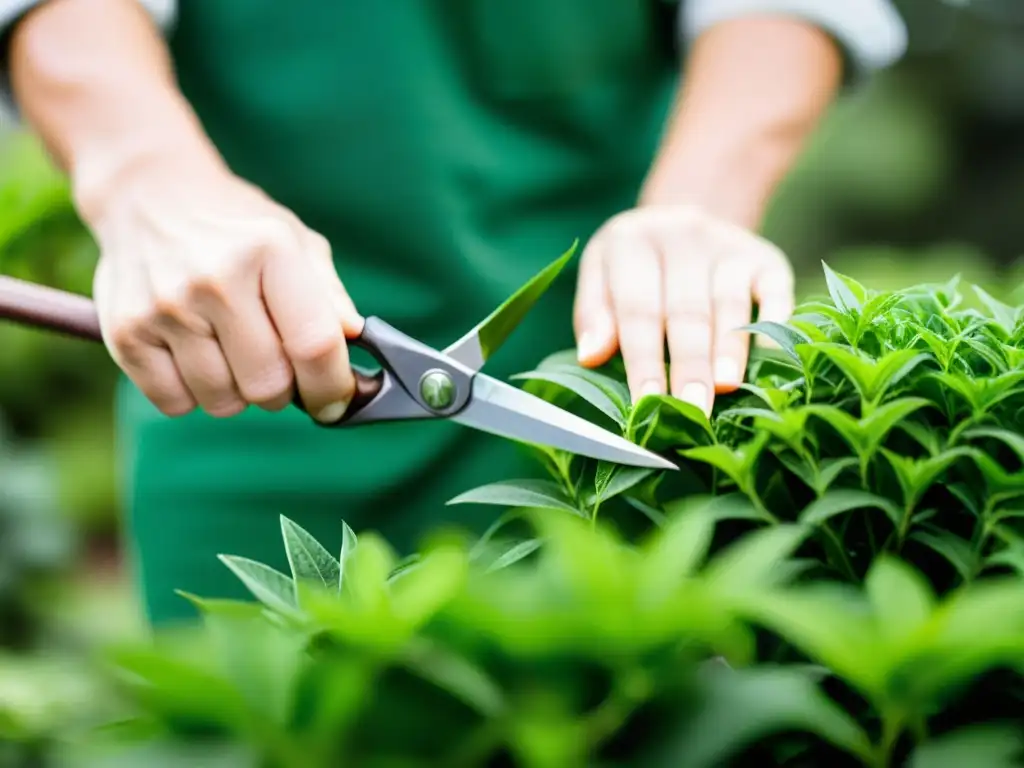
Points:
674	272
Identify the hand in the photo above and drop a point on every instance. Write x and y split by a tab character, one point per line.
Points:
676	272
211	294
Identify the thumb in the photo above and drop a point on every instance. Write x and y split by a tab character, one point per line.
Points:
593	320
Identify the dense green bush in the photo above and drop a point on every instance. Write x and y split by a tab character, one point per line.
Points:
832	575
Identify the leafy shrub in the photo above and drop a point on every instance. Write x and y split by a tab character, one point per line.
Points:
889	421
847	589
596	652
35	544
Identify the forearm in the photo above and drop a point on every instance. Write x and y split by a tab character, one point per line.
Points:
754	89
95	81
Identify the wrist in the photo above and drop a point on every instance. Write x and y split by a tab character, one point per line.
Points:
107	168
733	182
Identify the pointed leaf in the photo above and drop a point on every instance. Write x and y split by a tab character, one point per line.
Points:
846	293
308	558
596	389
992	746
957	551
270	587
741	707
754	562
348	546
786	336
536	494
847	500
480	343
900	596
513	554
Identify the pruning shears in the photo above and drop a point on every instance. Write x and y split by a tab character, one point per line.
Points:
415	381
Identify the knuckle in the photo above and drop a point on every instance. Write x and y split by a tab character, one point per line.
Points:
316	345
225	406
272	385
273	238
126	337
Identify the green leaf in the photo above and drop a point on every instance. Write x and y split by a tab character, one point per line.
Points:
669	422
866	435
741	707
458	676
270	587
900	596
916	476
480	343
349	540
837	502
845	292
535	494
1004	315
737	463
957	551
992	746
439	575
755	562
674	552
611	480
786	336
308	558
513	554
872	377
832	625
600	391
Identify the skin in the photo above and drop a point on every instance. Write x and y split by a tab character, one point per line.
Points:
684	265
212	295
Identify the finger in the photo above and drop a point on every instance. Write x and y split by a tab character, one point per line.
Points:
152	369
206	373
773	289
302	307
687	288
633	273
732	305
249	343
144	360
593	318
344	307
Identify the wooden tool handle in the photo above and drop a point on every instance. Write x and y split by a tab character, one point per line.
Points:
49	309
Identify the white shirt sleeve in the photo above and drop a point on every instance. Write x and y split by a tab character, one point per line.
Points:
163	12
870	31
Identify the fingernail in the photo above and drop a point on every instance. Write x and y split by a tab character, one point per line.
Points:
650	388
726	371
333	412
696	394
586	347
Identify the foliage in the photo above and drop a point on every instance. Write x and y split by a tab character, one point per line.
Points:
832	575
35	544
596	652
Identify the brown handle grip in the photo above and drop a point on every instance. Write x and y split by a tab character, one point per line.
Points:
38	306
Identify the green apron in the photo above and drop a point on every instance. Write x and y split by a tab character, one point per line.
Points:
448	149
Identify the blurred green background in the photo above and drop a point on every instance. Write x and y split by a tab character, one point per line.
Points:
916	175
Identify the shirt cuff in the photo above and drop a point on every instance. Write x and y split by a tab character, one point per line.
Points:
163	12
871	32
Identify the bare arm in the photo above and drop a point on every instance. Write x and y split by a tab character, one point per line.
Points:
755	88
94	79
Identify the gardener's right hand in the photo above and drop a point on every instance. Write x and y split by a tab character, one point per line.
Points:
212	295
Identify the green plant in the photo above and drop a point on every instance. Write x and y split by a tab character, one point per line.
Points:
889	421
853	571
36	545
594	653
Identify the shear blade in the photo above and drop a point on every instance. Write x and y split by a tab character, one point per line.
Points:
503	410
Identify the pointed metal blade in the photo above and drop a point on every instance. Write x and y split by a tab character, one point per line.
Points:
476	347
503	410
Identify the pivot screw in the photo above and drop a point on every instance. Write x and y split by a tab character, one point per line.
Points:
437	390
